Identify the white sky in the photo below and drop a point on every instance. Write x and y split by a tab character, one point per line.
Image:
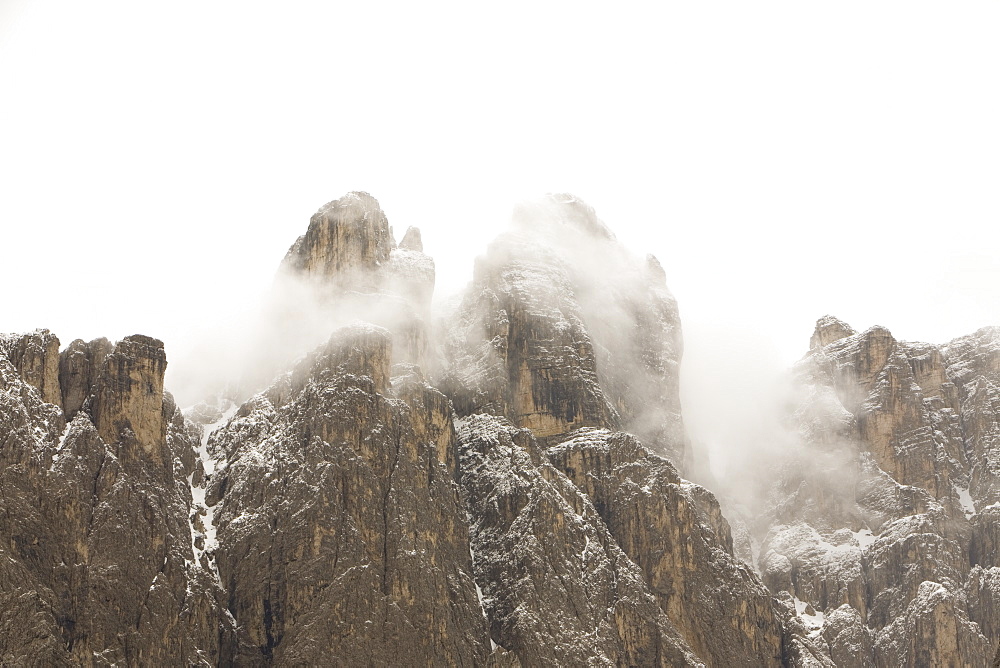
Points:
783	160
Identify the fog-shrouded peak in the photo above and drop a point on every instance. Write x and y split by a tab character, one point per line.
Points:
505	489
411	240
564	327
558	213
346	240
829	329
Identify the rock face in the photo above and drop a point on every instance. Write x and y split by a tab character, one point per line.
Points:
557	588
36	358
347	265
96	565
346	245
881	520
522	349
562	328
342	539
128	399
531	511
79	366
675	532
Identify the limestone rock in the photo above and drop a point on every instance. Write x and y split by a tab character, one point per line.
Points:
342	539
97	566
562	328
531	511
557	588
36	358
80	365
675	532
829	329
521	349
933	631
411	240
348	240
128	399
347	267
880	507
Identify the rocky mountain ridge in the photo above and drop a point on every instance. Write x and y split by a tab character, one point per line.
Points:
500	487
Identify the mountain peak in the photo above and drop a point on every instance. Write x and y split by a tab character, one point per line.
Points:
829	329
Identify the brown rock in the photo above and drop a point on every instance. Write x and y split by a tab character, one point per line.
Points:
829	329
347	242
128	399
675	532
342	538
98	563
36	358
80	365
557	588
562	328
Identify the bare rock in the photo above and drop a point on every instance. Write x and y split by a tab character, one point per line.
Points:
342	539
557	588
933	631
36	358
563	328
882	504
347	242
411	240
128	399
829	329
80	365
98	565
347	266
675	532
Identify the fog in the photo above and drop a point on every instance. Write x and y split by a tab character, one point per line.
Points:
781	160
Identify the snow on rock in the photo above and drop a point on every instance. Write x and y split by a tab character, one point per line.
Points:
968	505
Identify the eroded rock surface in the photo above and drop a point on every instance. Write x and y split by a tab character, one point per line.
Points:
674	530
342	536
557	587
880	522
348	267
97	564
562	328
531	511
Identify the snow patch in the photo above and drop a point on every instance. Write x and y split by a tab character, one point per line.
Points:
968	505
59	448
814	622
199	506
865	538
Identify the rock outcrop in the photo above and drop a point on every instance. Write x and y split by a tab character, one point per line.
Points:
36	358
880	519
80	365
557	587
531	511
347	268
97	564
562	328
346	246
675	532
342	537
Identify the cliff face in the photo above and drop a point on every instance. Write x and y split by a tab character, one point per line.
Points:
517	499
347	267
877	522
342	539
97	564
674	531
562	328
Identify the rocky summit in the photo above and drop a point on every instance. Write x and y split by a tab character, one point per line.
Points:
499	482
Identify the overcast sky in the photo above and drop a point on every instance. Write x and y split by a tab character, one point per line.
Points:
783	160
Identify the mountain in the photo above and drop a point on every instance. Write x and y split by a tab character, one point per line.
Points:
497	484
880	520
